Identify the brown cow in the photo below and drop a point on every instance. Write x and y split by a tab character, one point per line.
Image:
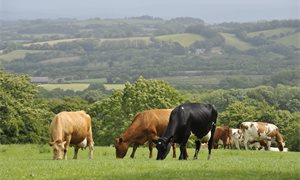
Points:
145	126
71	128
222	133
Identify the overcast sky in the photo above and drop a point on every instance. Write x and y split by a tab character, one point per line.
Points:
211	11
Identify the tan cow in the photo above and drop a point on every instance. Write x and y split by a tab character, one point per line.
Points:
71	129
145	126
258	131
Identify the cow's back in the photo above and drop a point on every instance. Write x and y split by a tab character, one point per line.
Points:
77	124
201	116
155	120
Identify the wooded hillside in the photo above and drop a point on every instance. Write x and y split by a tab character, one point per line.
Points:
215	56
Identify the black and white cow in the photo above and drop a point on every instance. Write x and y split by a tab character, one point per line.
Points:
198	118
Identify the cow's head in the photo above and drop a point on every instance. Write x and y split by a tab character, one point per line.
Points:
281	145
121	147
58	149
163	147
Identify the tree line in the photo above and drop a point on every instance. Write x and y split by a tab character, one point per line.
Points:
26	111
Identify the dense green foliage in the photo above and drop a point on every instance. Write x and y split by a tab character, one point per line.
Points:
21	119
34	162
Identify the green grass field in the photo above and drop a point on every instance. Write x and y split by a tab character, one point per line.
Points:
17	54
35	162
79	86
71	86
54	41
272	32
230	39
184	39
291	40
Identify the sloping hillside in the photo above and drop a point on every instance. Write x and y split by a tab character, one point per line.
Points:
232	40
185	39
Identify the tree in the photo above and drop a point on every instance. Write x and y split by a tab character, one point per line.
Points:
21	118
112	115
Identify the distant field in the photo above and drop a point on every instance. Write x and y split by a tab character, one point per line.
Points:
230	39
73	86
146	39
291	40
78	86
192	80
185	39
102	80
17	54
54	41
35	162
272	32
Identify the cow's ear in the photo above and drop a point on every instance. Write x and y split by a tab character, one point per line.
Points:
170	139
155	141
51	143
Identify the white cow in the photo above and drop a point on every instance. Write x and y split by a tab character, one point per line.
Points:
237	137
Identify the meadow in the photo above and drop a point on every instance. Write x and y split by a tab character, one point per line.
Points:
35	162
79	86
185	39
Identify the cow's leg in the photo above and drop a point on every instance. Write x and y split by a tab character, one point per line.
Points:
183	153
246	143
246	140
268	144
224	143
151	145
211	139
198	145
90	143
76	148
174	150
135	146
237	145
68	140
91	148
215	143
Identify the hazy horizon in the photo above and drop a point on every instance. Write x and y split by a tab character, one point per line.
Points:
211	11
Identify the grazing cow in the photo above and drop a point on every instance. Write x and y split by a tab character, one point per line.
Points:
146	126
237	138
224	134
197	118
257	131
71	129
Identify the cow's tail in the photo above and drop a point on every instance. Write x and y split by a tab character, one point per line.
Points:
214	115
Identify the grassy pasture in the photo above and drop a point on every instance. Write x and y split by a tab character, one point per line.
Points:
291	40
35	162
184	39
17	54
78	86
271	32
71	86
52	42
230	39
